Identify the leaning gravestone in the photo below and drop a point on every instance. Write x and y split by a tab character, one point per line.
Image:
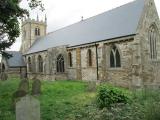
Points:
4	76
28	108
24	85
36	87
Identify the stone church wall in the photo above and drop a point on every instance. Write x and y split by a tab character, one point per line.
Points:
49	64
72	74
137	69
149	68
120	76
88	72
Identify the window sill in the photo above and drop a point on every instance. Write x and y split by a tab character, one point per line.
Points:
116	69
60	73
154	60
70	67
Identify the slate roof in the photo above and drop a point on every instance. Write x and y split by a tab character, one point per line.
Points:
16	60
121	21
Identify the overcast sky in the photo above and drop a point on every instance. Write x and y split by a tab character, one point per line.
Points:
61	13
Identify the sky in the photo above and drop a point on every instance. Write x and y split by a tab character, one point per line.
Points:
61	13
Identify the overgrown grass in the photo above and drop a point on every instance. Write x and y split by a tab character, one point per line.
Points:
71	100
60	100
144	105
7	88
63	99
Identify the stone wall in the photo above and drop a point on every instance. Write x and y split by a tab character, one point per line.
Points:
49	64
137	69
149	68
120	76
73	70
89	73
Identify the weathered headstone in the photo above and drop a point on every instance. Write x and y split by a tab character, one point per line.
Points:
36	87
24	85
91	86
4	76
16	96
28	108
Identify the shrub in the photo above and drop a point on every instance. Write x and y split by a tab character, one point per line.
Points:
108	95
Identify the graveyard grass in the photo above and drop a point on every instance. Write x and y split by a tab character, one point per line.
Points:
59	100
72	100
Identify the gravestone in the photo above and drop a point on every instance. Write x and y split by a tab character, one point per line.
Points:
91	86
36	87
28	108
4	76
16	96
24	85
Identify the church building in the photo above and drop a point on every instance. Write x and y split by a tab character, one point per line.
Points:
120	46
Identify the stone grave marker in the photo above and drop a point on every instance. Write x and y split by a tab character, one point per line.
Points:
24	85
16	96
28	108
36	87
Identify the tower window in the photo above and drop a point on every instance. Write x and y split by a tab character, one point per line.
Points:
60	64
152	36
115	60
37	31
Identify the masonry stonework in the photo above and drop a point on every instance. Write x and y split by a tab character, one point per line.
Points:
136	67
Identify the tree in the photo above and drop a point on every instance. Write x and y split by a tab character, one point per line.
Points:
10	13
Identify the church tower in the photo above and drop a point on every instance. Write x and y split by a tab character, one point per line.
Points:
31	30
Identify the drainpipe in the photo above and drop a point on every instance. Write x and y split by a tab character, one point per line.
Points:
97	61
26	67
30	35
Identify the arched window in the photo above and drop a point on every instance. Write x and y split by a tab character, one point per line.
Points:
37	31
89	57
29	65
60	64
115	60
70	59
40	64
153	36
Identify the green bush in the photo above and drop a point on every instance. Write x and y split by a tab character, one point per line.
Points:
108	96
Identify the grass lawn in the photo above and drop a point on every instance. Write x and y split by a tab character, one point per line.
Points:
70	100
60	100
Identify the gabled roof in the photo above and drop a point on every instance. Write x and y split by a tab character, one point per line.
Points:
121	21
16	60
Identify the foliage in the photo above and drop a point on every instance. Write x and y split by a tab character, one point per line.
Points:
145	105
10	12
108	95
149	99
